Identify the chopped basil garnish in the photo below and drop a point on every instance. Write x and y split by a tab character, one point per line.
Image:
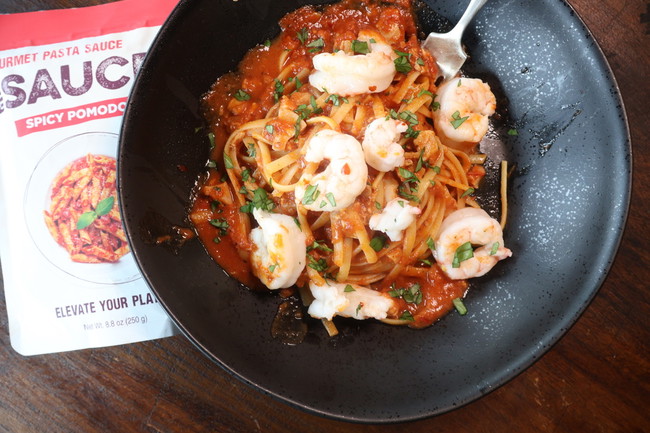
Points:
227	161
330	198
221	224
302	35
402	63
408	175
513	132
463	252
468	191
319	245
349	288
405	191
316	45
278	89
460	306
406	315
319	265
377	243
411	295
336	100
495	248
457	120
431	244
311	194
250	150
261	200
418	165
241	95
269	129
410	118
297	127
360	47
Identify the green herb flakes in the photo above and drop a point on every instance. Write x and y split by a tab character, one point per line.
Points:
278	89
319	245
336	99
319	265
302	35
402	63
221	224
377	243
261	200
311	194
227	161
463	252
467	192
457	120
411	295
241	95
460	306
360	47
316	45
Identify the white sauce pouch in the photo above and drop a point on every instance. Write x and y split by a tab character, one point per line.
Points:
70	281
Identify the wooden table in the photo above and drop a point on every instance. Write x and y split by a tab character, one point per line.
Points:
596	379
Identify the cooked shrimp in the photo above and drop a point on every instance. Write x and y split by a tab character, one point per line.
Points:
348	300
346	75
281	250
343	179
459	233
465	104
381	144
394	218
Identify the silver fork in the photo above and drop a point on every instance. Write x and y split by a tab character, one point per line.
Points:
447	48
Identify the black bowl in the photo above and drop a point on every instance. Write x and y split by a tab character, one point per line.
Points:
568	204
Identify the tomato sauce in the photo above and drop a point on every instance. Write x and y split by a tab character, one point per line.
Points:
437	291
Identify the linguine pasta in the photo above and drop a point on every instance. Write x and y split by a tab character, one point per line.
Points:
285	138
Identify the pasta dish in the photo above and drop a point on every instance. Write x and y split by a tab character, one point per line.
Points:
83	216
344	172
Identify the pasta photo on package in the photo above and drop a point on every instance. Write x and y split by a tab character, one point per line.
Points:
70	279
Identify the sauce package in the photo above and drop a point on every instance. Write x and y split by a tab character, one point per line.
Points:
70	281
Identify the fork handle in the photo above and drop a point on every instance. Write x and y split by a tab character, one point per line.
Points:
472	9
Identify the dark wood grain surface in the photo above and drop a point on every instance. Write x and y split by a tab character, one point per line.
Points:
596	379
